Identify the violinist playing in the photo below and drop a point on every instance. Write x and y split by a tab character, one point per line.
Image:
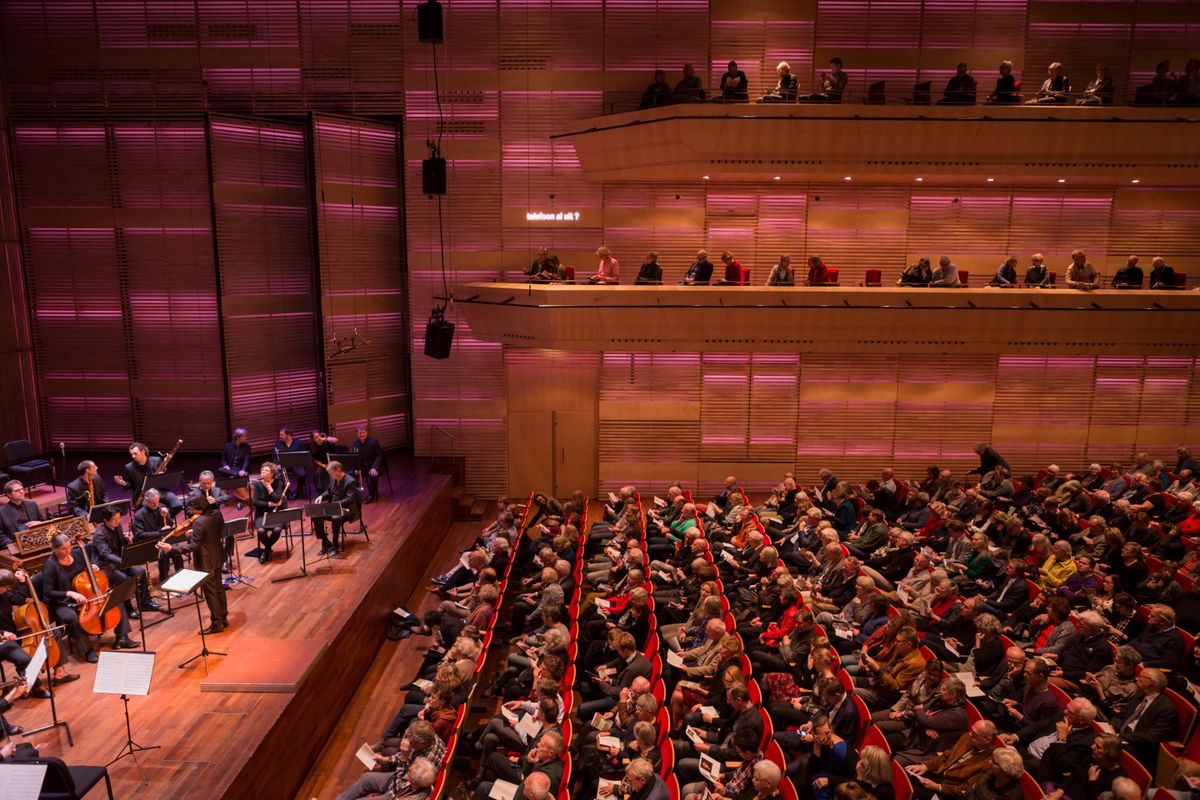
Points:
267	498
150	521
205	541
108	543
65	562
87	491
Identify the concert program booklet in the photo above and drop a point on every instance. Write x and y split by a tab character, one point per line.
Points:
503	790
367	756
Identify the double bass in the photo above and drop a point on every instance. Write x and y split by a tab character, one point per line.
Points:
33	625
93	585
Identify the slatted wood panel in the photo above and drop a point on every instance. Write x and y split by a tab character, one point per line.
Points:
758	46
1080	46
362	265
264	234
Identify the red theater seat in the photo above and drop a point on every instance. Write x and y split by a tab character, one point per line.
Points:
963	276
831	276
570	273
745	276
874	277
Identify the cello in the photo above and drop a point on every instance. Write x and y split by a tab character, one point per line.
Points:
93	585
33	625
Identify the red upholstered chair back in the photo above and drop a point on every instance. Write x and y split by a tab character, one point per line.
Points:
901	783
874	277
570	273
1180	280
745	276
1030	787
1053	277
964	276
831	276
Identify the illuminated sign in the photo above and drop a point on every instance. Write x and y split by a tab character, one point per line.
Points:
552	216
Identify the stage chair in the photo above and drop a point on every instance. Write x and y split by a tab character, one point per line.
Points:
831	276
23	463
923	93
69	783
877	93
964	276
874	277
745	276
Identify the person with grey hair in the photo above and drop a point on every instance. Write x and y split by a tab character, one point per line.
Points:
1090	776
1160	643
1123	789
643	783
953	771
1062	740
1086	652
392	778
422	775
1003	781
1115	686
942	719
1149	721
651	272
150	521
536	786
874	768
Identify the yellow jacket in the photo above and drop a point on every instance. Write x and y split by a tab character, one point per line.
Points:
1054	572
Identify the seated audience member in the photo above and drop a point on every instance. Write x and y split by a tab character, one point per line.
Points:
393	777
1003	780
946	274
700	272
1100	91
953	771
1128	276
1150	719
1006	86
609	271
960	90
733	270
782	273
918	274
785	88
818	273
1081	274
1055	90
1006	273
657	93
1161	88
651	271
544	268
1037	275
833	85
689	88
734	84
1161	275
1187	85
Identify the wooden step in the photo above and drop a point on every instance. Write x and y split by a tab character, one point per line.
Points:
464	507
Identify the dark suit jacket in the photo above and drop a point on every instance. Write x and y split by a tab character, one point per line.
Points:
1158	723
10	522
1062	758
700	272
1162	649
639	667
370	453
347	494
845	722
77	495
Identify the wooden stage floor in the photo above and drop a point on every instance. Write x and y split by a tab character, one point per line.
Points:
258	744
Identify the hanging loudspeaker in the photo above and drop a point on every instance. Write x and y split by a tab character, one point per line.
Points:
429	22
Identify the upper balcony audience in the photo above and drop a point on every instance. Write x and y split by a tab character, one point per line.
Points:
1081	274
689	87
1056	89
1038	275
658	93
700	272
734	85
782	273
733	270
1100	91
1006	90
1128	276
1006	273
961	89
919	274
651	272
818	273
785	89
832	83
946	274
609	270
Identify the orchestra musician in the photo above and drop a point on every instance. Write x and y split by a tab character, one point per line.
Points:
342	490
207	488
109	543
287	443
371	457
87	491
320	447
15	751
13	594
235	462
267	497
141	467
17	513
204	540
149	521
59	571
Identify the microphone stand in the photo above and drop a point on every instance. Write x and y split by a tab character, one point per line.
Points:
62	448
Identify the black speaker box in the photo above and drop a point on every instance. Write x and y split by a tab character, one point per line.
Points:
429	22
433	176
439	335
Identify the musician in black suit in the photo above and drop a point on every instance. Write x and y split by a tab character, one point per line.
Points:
320	447
141	467
149	522
287	443
86	491
206	487
1150	720
267	497
342	490
65	563
17	513
108	543
371	457
204	539
235	462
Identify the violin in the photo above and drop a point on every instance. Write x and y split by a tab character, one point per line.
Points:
93	585
181	527
33	625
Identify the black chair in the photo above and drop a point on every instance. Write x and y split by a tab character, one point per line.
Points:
23	463
923	93
69	783
877	93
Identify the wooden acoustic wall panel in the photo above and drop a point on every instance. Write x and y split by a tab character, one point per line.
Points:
758	46
120	261
364	300
269	301
635	44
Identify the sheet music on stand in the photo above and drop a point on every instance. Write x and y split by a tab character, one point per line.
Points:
22	781
32	670
184	582
124	673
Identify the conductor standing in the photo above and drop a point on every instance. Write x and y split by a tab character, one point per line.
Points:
205	541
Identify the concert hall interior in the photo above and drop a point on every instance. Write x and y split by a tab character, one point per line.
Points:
632	399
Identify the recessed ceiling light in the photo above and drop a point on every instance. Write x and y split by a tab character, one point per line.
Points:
920	179
705	177
991	180
847	178
1062	180
1135	180
776	177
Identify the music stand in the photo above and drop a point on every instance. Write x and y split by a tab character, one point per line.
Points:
285	517
291	460
139	554
168	481
126	674
236	482
20	781
96	515
233	528
351	462
187	581
31	678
